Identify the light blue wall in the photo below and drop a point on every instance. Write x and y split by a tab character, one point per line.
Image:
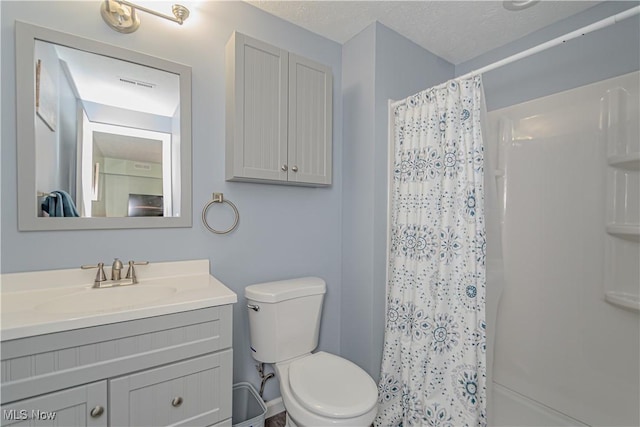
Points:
600	55
358	93
371	76
284	231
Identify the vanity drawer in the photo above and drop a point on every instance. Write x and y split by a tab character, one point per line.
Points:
46	363
194	392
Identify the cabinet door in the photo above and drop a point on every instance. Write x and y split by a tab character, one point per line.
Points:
310	121
70	408
195	392
256	116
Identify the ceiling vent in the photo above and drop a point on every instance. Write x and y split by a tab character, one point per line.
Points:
135	82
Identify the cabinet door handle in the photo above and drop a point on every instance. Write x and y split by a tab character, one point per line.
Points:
284	168
177	401
97	411
295	169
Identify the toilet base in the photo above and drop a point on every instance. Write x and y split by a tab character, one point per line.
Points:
290	422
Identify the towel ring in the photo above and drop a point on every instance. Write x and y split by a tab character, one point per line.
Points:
218	198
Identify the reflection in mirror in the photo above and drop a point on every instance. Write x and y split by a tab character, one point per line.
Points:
110	135
117	119
125	162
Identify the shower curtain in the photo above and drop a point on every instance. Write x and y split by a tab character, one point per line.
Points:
434	361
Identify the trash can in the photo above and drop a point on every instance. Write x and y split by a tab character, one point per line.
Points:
248	408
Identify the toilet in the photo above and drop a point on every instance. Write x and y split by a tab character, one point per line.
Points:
318	389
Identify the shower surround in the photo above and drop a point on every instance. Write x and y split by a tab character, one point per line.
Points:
567	331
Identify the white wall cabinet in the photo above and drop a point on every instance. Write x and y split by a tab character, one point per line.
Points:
170	370
278	115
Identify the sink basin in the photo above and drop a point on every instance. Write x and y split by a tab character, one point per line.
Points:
97	300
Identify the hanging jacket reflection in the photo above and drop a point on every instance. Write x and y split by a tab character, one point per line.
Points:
59	204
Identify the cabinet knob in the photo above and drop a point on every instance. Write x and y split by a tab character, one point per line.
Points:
295	169
177	401
97	411
284	168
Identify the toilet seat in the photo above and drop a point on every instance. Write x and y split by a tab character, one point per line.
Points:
331	386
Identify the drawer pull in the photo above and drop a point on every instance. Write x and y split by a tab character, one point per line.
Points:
177	401
97	411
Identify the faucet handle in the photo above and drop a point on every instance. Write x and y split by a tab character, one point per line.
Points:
131	272
100	276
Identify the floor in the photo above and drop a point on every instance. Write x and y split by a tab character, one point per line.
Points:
278	420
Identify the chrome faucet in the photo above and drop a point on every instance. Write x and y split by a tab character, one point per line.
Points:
116	269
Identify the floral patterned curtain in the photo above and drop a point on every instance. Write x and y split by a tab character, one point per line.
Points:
434	361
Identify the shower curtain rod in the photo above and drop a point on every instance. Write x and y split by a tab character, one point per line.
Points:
606	22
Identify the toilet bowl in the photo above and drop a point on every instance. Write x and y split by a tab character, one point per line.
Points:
322	389
318	389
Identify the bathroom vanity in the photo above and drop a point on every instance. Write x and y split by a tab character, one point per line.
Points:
158	353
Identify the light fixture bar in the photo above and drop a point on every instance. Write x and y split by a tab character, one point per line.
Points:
121	14
180	12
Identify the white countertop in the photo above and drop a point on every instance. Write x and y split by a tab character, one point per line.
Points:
41	302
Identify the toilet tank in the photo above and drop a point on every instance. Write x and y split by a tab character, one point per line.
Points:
285	319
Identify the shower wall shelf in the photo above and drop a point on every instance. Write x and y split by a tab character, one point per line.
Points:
629	231
621	135
626	161
623	299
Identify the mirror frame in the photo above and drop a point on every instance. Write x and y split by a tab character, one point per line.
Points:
26	36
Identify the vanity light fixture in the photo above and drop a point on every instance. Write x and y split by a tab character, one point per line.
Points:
121	15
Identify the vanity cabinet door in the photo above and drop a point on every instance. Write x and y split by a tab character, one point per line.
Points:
79	406
194	392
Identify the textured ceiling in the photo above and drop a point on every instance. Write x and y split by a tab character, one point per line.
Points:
454	30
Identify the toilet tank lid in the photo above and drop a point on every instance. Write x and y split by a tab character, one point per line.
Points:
285	289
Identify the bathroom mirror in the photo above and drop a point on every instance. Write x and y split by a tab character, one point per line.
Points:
104	135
